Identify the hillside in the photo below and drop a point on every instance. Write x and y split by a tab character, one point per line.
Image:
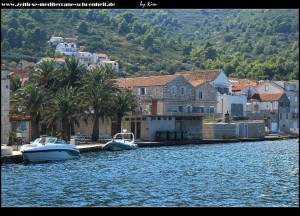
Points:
261	44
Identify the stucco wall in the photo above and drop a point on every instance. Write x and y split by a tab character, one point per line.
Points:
233	130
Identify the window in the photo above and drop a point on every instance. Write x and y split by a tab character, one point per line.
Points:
220	90
259	128
211	109
287	104
173	90
226	90
237	109
213	95
201	95
287	116
182	90
280	104
280	116
296	99
142	91
201	109
189	108
180	108
266	88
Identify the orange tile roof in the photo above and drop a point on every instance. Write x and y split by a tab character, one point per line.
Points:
196	83
15	72
238	81
101	55
207	75
268	97
56	59
239	87
145	81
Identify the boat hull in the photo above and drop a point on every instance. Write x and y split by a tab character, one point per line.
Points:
54	152
118	146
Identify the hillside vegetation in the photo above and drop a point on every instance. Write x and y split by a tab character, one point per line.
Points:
259	44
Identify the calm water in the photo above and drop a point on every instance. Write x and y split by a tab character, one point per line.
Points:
238	174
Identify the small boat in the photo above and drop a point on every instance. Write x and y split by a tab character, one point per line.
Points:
121	141
49	149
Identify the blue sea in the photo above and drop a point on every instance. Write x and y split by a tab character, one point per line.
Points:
246	174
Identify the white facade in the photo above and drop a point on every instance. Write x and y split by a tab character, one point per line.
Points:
86	58
113	64
228	102
97	57
249	91
56	40
236	105
292	92
222	83
5	86
67	49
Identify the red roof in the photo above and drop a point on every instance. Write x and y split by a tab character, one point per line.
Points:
145	81
196	83
238	81
207	75
268	97
15	72
239	87
101	55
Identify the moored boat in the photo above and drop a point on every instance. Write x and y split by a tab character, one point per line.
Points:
120	142
49	149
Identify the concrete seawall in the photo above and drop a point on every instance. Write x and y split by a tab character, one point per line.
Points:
16	156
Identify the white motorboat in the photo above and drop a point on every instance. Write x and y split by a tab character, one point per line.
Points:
49	149
121	141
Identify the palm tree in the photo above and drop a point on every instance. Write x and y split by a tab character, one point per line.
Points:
44	75
33	99
72	72
15	84
64	106
124	102
98	89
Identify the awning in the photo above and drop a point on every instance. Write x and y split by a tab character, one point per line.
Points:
19	118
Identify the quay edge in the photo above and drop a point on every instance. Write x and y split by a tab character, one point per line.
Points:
17	157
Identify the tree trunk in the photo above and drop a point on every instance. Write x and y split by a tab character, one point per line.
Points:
37	123
119	124
95	134
65	129
34	128
72	127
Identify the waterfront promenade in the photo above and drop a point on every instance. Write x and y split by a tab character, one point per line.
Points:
16	156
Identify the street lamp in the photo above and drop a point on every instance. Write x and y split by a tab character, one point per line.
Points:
20	108
19	139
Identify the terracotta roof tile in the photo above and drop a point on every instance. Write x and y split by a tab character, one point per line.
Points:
145	81
207	75
238	81
267	97
56	59
101	55
196	83
239	87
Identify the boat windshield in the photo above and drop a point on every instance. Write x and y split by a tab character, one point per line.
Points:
51	140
